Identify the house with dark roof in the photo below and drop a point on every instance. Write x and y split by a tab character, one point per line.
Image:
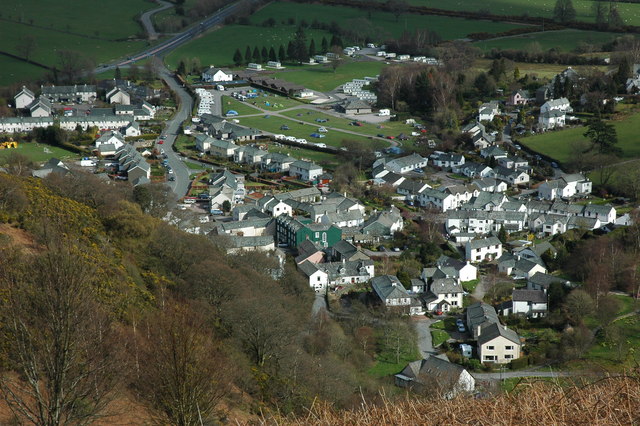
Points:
437	376
530	303
483	249
498	344
393	294
292	232
24	98
444	295
330	275
216	75
406	164
354	106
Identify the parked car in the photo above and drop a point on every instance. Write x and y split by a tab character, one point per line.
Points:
459	322
322	120
461	328
380	135
284	127
172	178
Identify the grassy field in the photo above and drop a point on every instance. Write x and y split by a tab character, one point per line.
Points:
390	128
323	158
438	337
558	144
380	25
323	78
217	47
540	70
564	40
242	108
584	8
37	152
272	125
14	70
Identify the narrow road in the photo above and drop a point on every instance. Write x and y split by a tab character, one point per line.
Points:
523	373
425	344
146	19
319	305
180	171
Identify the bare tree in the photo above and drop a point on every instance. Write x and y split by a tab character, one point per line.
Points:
58	340
26	46
182	374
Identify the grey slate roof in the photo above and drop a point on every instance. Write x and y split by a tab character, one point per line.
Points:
445	285
534	296
491	331
388	287
485	242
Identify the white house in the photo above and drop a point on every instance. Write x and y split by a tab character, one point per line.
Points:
446	160
305	170
498	344
483	249
512	176
118	96
439	200
436	375
406	164
565	187
531	303
24	98
216	75
332	274
552	119
488	111
132	129
445	294
391	291
561	104
110	138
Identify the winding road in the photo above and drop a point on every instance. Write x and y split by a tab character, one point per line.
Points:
152	34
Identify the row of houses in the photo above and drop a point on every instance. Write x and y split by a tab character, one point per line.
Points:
132	164
27	124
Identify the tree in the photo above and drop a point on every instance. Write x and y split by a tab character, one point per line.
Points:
324	45
336	41
625	70
264	54
272	54
247	55
312	48
282	55
564	11
182	375
237	58
578	305
118	73
615	20
600	12
300	45
256	55
291	51
72	65
57	338
502	235
337	61
397	7
226	206
27	46
134	72
603	136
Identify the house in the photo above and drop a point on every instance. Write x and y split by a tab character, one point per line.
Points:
311	252
444	295
344	250
439	200
24	98
541	281
118	96
305	170
479	315
492	152
76	93
110	138
437	376
565	187
487	111
483	249
52	166
292	232
248	155
512	176
479	137
561	104
463	271
277	163
530	303
216	75
391	292
406	164
411	188
490	185
518	97
323	276
383	224
246	228
222	148
41	107
446	160
353	106
132	129
510	162
274	206
519	268
552	119
237	244
474	170
498	344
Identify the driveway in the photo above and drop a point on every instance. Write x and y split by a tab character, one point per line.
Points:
423	330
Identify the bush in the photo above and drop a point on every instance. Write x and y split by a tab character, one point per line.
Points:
519	363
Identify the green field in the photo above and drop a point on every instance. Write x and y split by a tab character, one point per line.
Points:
36	152
558	144
272	125
390	128
324	79
380	25
217	47
564	40
242	108
322	158
540	70
14	70
584	8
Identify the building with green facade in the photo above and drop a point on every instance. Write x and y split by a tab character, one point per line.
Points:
293	232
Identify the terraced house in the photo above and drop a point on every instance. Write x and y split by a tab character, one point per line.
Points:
292	232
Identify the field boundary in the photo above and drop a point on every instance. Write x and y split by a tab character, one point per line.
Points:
37	64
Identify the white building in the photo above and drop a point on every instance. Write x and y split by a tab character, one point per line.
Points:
483	249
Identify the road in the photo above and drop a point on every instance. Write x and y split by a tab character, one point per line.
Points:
180	171
177	40
425	344
146	19
523	373
319	305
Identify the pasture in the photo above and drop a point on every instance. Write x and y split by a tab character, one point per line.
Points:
630	12
560	144
14	71
564	40
539	70
376	24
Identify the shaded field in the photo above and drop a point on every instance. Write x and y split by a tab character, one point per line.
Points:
564	40
324	79
14	70
378	24
559	144
38	152
541	70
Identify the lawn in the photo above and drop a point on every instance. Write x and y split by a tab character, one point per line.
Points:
565	40
324	79
242	108
584	8
470	286
540	70
618	351
38	152
449	323
378	25
272	125
324	159
439	337
559	144
390	128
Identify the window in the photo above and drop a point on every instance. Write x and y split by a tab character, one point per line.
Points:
454	303
496	246
508	357
490	348
508	348
478	257
324	236
489	357
317	235
318	278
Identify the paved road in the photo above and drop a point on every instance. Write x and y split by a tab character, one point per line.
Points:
180	171
146	19
425	344
319	305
